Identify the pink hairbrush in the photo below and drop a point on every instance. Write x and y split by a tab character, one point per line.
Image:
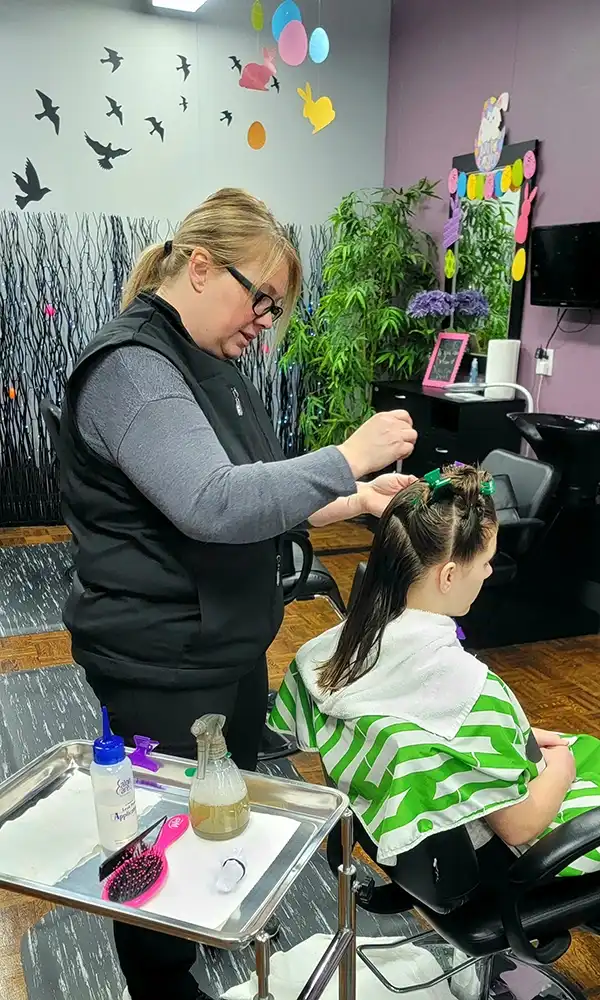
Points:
142	876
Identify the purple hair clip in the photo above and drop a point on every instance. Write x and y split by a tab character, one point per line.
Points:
460	635
141	755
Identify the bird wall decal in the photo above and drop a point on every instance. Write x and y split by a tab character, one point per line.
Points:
30	186
49	112
184	104
275	84
235	63
106	153
113	58
226	116
185	67
116	110
157	127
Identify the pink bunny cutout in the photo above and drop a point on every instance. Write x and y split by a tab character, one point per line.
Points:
522	227
256	77
452	226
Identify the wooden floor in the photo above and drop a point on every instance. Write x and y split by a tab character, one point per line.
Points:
557	682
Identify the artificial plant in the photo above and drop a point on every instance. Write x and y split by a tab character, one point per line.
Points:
485	255
360	330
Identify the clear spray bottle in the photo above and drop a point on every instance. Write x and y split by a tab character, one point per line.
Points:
219	804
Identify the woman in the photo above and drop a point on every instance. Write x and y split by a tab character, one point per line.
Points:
176	493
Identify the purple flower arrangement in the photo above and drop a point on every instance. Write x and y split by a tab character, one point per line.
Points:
471	303
435	303
438	304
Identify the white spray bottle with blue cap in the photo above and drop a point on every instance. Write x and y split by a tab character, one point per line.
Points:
114	790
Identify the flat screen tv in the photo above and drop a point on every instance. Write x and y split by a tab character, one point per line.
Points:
565	266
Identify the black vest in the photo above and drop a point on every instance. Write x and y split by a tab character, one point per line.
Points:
151	605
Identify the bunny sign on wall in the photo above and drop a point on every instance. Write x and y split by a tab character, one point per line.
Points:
492	131
320	113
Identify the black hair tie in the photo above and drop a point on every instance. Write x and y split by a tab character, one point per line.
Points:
168	248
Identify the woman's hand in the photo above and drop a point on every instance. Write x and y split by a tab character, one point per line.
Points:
385	438
376	495
545	738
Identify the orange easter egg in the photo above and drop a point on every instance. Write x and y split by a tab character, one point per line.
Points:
257	135
12	392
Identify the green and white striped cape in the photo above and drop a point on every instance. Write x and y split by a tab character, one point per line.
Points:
405	784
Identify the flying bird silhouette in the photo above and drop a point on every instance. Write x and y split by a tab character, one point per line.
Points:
156	127
185	67
235	63
30	185
106	153
116	110
49	111
114	58
275	84
184	104
226	116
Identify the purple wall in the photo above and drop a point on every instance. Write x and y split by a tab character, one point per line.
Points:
446	58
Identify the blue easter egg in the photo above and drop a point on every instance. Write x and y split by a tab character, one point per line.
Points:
498	184
286	12
461	188
318	47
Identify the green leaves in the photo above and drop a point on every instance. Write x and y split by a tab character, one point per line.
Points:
360	330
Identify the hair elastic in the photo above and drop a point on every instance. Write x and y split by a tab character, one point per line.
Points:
168	247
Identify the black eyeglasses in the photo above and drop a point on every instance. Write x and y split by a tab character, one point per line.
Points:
262	304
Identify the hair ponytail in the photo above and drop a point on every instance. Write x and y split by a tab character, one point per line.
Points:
392	568
147	275
422	526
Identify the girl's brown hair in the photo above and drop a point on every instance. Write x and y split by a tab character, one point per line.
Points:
422	527
234	228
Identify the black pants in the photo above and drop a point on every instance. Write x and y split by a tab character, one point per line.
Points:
157	966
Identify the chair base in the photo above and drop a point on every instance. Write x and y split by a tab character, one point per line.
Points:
495	977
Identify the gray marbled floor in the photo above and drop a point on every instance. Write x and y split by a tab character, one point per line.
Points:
69	955
35	584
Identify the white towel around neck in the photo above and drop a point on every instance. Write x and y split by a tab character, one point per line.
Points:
422	675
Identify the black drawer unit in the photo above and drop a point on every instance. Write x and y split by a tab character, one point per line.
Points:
450	430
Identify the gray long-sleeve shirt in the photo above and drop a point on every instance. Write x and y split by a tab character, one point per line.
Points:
136	411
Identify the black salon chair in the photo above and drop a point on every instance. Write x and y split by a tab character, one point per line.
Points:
487	902
51	417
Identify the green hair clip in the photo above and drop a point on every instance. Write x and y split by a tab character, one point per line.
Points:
488	488
435	480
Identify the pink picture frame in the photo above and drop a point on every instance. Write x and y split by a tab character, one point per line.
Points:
447	344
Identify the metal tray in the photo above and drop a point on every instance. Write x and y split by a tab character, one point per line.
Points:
317	809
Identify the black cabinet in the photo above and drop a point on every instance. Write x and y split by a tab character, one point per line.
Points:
450	430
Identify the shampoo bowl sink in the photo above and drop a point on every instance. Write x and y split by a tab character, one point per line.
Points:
570	444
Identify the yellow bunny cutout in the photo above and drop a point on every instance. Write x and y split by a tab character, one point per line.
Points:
319	113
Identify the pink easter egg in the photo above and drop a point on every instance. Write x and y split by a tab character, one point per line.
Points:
488	189
293	43
529	164
453	180
50	311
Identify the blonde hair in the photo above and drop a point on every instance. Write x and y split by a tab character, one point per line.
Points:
233	227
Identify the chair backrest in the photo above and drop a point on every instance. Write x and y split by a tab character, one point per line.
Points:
533	482
441	873
296	563
51	416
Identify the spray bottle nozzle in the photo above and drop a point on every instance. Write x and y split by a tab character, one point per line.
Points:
208	731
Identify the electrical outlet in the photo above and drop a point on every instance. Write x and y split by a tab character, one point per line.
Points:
544	363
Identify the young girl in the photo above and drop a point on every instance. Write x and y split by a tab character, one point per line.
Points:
418	732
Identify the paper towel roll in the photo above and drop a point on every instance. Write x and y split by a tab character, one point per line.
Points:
501	366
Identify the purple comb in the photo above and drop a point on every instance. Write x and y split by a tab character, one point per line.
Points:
141	755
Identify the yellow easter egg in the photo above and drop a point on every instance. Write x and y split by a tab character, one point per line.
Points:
472	187
518	268
517	174
257	135
506	179
450	264
257	16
